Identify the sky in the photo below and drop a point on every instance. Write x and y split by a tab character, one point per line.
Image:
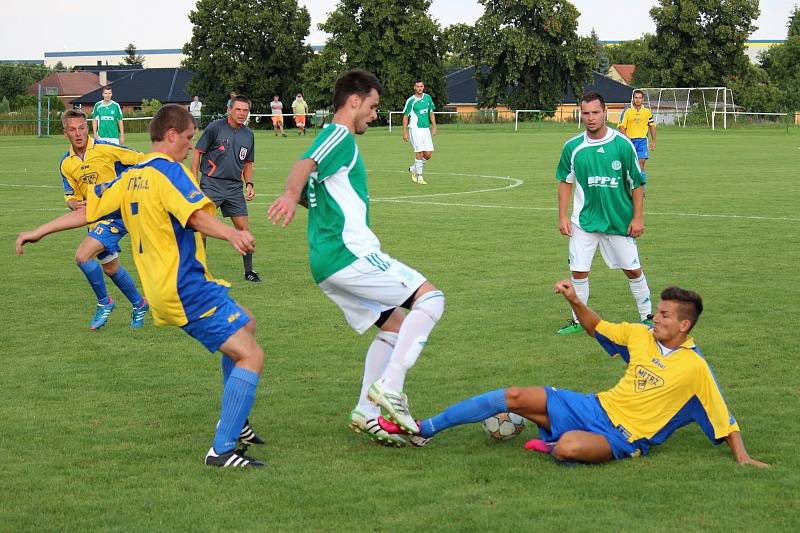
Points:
112	24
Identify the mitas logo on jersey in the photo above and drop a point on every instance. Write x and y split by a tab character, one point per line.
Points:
603	181
242	153
89	178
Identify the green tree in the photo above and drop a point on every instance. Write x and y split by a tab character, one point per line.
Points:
782	63
699	42
252	47
754	91
602	61
15	79
396	41
794	23
532	51
456	39
132	56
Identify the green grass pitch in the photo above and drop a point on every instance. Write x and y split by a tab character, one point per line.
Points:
107	430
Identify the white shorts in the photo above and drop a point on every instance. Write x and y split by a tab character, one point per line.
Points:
618	251
369	286
421	139
114	140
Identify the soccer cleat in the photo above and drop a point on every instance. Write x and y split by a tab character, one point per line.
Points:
231	459
390	427
421	181
248	437
570	327
396	405
413	173
371	427
101	315
538	445
137	315
252	276
648	321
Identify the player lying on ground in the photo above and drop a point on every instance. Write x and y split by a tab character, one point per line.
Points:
165	212
667	385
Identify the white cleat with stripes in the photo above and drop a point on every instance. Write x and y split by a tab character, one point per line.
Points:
232	459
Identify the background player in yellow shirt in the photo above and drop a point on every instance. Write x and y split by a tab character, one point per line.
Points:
87	163
166	213
635	122
667	385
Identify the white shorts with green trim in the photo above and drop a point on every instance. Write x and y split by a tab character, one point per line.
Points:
618	251
369	286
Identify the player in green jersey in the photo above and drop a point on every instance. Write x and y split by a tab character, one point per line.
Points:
599	171
346	259
107	119
419	127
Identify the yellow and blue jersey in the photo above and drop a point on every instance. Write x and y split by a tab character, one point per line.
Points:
102	163
662	390
156	198
636	122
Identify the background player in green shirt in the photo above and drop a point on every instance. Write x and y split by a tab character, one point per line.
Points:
600	172
419	127
107	119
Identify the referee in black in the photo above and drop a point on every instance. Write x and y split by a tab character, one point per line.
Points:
224	156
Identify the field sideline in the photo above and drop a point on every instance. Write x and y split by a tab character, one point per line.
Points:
107	430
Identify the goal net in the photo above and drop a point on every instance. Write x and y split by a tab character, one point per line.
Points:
690	106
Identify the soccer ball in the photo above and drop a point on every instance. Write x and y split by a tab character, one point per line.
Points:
504	426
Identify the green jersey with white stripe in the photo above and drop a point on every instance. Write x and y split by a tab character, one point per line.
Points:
108	116
604	173
338	203
419	110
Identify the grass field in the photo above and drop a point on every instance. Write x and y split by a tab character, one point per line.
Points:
107	430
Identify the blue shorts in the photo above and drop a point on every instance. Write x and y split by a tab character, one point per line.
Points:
108	233
212	331
640	144
570	411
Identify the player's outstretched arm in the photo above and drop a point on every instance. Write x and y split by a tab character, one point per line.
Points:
734	440
588	318
242	241
73	219
286	204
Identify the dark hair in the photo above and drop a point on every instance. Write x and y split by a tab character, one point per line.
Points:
690	304
591	96
354	81
171	116
72	113
416	81
107	88
638	91
241	98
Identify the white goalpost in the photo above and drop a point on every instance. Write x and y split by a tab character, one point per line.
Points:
675	105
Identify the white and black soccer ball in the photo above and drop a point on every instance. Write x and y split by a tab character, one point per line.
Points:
504	426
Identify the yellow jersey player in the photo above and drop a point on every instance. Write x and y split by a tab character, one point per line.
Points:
89	162
668	384
166	213
635	123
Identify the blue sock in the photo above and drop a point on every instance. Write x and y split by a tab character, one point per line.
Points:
94	273
237	400
227	366
124	281
474	409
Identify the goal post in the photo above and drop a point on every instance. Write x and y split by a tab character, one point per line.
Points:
689	106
